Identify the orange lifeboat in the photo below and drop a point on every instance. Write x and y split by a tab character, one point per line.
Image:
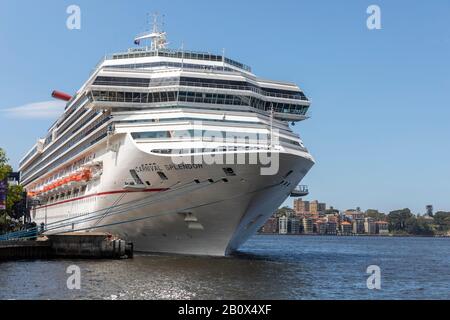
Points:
86	174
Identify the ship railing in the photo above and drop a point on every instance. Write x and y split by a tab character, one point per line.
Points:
98	65
180	54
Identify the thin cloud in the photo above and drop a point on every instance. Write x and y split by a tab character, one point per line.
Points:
36	110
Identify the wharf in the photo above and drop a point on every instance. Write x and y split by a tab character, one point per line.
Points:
74	245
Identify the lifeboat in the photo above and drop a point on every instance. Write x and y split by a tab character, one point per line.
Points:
81	176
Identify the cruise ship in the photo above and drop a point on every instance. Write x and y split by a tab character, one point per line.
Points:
177	151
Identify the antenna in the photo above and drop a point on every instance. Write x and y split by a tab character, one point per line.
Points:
156	36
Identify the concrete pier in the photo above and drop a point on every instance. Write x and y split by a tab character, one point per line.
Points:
75	245
18	250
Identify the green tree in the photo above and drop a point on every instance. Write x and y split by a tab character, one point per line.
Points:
442	221
14	192
5	168
419	226
397	219
375	214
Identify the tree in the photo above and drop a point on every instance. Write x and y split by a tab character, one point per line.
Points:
419	226
442	221
14	192
375	214
397	219
5	168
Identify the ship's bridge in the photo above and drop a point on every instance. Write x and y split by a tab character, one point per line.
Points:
152	79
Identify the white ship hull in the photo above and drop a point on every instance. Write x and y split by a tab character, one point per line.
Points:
213	215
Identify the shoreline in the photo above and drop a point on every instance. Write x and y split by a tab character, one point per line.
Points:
357	235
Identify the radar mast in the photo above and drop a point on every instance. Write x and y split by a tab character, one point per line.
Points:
155	35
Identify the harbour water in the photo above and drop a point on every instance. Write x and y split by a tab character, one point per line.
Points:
267	267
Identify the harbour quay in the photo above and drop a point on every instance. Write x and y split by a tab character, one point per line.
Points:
75	245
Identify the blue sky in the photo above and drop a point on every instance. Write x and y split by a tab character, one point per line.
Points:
380	98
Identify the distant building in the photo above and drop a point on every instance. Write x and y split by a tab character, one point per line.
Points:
294	225
301	207
317	208
283	225
321	227
271	226
346	228
358	226
354	214
382	227
429	210
308	226
332	227
370	226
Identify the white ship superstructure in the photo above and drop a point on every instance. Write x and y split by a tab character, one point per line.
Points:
113	160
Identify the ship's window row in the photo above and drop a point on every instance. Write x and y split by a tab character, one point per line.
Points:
92	127
122	81
32	153
74	107
197	97
181	55
199	82
63	139
168	64
60	130
183	119
218	149
134	97
49	138
241	85
76	151
212	136
202	120
74	193
70	143
77	116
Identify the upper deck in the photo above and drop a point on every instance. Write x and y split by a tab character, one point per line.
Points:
178	54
